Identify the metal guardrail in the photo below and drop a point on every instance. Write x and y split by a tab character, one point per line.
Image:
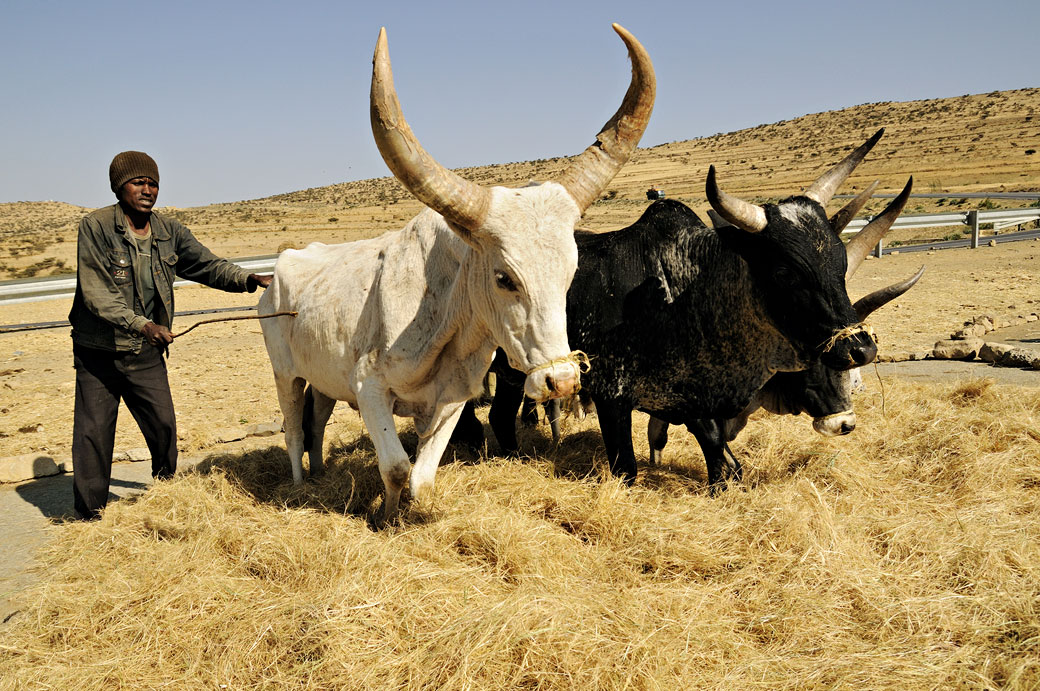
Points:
35	289
1001	218
51	287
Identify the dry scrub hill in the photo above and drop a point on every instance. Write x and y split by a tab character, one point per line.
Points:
979	143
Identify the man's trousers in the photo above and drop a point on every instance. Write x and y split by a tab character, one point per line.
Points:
103	378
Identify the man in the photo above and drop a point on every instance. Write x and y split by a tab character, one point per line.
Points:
128	256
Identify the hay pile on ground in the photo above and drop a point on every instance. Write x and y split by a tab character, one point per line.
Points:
905	556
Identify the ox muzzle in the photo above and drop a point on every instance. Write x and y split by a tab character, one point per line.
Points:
849	348
835	425
558	378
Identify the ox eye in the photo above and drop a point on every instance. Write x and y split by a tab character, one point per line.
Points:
505	281
786	277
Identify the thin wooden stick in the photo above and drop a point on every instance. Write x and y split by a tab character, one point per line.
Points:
231	319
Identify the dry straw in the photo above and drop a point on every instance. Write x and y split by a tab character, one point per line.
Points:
905	556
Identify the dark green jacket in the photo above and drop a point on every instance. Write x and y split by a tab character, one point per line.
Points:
106	312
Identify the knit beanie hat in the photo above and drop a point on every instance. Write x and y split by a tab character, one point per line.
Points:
129	165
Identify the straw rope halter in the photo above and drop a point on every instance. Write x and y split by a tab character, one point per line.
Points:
577	358
848	332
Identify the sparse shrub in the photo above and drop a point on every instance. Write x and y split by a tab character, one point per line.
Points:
1030	152
987	203
47	266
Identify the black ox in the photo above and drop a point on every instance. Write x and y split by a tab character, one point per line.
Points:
822	393
688	323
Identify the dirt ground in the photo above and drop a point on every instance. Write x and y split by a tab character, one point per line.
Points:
221	378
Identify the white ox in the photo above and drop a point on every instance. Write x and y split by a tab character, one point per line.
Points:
407	323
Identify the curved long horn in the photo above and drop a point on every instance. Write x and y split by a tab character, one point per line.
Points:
587	176
742	214
463	203
868	303
861	243
827	184
848	212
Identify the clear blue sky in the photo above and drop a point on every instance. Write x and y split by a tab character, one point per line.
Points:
239	100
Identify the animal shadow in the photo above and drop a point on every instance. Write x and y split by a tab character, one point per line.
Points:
350	484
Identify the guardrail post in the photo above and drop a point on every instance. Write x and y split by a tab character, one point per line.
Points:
973	221
877	250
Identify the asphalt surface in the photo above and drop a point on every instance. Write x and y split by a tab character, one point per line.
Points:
964	242
29	511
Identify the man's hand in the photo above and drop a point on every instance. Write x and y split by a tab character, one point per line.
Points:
156	334
255	280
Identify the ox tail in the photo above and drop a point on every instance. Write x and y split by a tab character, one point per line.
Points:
308	418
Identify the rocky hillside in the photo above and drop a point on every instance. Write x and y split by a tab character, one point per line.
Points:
972	143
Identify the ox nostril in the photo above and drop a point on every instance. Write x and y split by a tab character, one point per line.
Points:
550	384
847	427
862	355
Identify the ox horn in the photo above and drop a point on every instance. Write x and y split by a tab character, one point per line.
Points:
861	243
827	184
848	212
587	176
462	203
868	303
742	214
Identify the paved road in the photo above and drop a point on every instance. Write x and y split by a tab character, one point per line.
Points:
30	509
964	242
958	195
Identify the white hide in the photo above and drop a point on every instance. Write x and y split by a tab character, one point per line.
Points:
407	324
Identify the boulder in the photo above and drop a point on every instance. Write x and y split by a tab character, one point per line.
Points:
994	352
28	466
140	453
955	349
231	434
264	429
1021	357
969	332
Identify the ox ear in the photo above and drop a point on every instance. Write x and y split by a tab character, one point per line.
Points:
739	241
718	221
